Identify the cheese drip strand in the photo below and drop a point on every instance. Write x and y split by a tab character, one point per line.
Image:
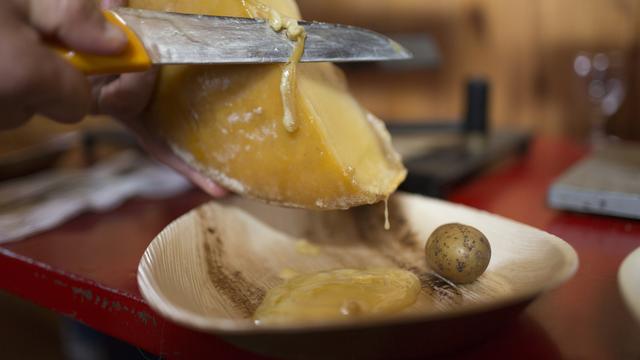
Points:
288	83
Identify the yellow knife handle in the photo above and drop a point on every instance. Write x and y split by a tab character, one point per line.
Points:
133	58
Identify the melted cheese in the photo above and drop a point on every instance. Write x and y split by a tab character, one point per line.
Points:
295	32
387	225
338	294
227	122
304	247
288	84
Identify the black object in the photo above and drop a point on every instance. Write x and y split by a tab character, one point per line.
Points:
80	342
477	107
471	149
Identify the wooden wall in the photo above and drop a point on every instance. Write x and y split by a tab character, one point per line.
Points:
525	48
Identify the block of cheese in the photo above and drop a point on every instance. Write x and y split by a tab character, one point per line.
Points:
227	122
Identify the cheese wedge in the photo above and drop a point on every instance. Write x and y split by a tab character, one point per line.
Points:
228	121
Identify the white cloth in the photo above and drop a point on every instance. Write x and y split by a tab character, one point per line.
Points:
43	201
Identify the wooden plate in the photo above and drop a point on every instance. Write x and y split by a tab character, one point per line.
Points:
629	281
210	269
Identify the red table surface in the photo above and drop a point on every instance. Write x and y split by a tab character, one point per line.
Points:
86	269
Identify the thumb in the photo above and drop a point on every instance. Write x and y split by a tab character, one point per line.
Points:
108	4
77	24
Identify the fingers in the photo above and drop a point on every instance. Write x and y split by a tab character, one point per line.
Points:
37	80
78	24
14	118
66	95
34	78
126	96
110	4
203	182
163	153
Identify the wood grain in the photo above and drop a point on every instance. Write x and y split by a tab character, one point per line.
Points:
525	48
211	268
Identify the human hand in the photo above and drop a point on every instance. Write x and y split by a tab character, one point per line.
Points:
34	78
125	98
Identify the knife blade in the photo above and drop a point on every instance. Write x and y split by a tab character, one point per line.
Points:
165	38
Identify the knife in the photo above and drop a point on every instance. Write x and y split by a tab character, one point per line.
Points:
163	38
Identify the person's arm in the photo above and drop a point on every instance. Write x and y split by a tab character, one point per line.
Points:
35	80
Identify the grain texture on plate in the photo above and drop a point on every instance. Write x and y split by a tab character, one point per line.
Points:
211	268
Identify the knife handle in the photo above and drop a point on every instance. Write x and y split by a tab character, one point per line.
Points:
133	58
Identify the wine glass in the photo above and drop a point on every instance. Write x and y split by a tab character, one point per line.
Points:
603	76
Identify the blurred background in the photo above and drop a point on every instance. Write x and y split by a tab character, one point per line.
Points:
566	68
525	49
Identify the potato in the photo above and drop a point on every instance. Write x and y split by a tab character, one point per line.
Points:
460	253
